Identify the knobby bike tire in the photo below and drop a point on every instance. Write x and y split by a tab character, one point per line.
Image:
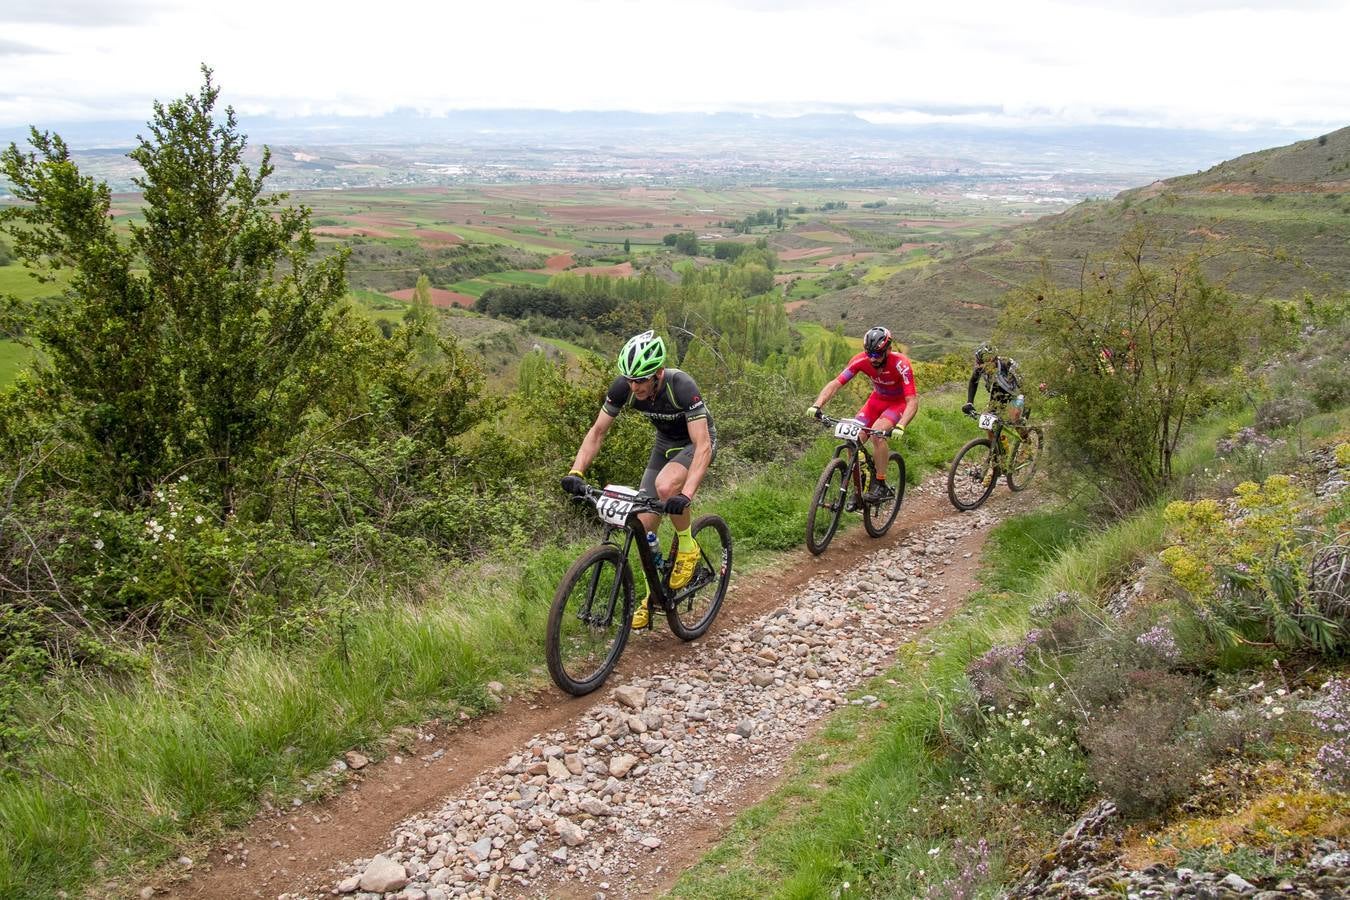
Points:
570	642
827	505
1020	471
691	612
980	476
878	517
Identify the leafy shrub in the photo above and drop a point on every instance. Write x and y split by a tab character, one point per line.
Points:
998	675
1328	387
1142	776
1248	574
1031	753
1129	355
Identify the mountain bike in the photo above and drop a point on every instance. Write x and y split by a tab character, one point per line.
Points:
841	486
592	611
1014	452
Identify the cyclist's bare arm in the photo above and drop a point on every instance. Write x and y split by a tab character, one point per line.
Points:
590	445
698	433
828	391
911	410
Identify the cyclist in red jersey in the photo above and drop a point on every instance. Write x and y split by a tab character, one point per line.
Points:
893	403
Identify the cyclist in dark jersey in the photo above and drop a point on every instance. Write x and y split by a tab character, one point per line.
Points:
686	443
1003	381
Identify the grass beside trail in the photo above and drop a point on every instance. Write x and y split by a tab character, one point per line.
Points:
128	773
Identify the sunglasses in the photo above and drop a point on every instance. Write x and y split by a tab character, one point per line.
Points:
636	381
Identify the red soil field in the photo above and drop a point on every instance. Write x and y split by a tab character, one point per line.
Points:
438	237
438	297
622	270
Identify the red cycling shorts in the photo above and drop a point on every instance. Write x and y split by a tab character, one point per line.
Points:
879	407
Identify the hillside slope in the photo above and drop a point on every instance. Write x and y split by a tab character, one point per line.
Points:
1278	222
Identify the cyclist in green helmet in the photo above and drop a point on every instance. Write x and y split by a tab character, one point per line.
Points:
686	443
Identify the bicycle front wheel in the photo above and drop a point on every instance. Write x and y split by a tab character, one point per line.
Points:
877	517
589	621
972	476
694	606
1026	454
827	505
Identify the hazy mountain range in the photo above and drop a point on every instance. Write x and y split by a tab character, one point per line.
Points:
837	149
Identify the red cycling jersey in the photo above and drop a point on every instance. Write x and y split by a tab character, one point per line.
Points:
894	380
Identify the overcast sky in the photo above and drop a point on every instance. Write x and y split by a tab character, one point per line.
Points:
1220	64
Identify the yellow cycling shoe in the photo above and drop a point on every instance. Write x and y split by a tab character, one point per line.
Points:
640	616
685	561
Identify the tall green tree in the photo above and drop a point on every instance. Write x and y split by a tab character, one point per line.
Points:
203	341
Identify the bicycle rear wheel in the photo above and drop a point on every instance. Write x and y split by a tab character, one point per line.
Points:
827	505
972	476
589	621
1025	456
877	517
694	606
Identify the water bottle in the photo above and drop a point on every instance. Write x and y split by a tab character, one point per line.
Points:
655	547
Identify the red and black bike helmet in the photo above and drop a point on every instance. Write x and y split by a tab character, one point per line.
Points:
877	342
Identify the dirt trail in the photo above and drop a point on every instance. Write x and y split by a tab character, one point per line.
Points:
300	849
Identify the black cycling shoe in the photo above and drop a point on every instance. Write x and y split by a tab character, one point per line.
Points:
878	492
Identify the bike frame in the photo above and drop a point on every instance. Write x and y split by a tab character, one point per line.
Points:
633	529
854	449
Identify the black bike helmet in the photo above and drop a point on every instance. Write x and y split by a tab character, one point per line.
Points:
877	342
984	352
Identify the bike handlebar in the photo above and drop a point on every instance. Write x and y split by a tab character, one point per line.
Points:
830	421
641	503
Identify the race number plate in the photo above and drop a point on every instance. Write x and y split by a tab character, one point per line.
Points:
988	420
615	504
847	429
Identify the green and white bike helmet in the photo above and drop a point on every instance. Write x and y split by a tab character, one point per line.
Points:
642	355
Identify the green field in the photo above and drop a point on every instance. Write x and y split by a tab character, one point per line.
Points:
18	281
476	287
14	358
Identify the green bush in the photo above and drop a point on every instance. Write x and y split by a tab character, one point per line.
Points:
1143	776
1030	753
1248	575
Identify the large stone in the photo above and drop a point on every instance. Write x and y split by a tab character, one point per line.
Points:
631	696
568	831
479	851
355	761
621	765
383	875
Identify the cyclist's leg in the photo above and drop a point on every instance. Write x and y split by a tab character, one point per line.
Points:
655	463
881	450
669	483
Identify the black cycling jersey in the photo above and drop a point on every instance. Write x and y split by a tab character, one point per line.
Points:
1002	380
675	404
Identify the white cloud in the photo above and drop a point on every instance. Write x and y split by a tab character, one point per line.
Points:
1204	63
